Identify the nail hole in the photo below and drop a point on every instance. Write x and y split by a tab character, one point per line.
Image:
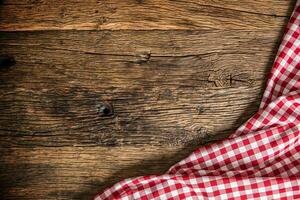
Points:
104	109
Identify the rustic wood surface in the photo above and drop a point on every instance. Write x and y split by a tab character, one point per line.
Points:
172	75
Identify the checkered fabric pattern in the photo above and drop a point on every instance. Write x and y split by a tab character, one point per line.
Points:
260	160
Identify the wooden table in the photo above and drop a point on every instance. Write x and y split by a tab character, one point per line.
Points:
108	89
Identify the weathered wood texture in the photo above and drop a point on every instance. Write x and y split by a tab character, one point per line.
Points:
175	74
141	15
165	87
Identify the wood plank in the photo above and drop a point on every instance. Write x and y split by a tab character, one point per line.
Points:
16	15
165	87
195	77
146	43
78	172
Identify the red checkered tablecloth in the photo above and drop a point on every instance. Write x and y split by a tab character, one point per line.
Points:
260	160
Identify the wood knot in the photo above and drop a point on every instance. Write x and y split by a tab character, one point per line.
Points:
62	12
200	109
105	109
7	61
143	57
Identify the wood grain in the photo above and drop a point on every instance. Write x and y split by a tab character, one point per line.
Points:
142	15
78	172
171	89
174	75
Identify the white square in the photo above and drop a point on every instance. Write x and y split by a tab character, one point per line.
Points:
276	196
174	193
221	186
136	195
219	158
209	189
236	194
242	149
193	181
233	185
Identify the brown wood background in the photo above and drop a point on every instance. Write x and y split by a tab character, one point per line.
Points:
178	74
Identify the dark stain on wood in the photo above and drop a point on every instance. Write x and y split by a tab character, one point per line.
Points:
6	61
15	175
